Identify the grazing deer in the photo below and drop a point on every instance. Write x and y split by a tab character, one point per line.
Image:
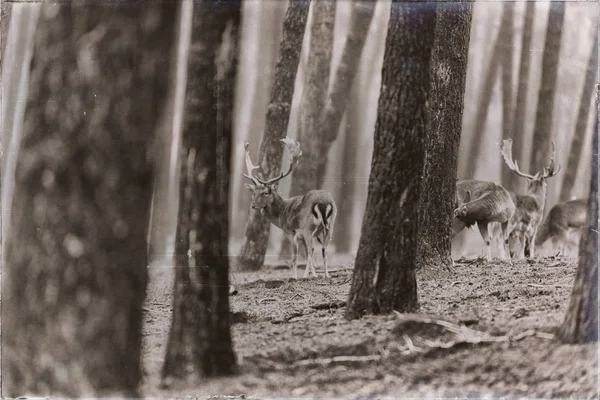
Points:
571	214
307	217
483	202
536	190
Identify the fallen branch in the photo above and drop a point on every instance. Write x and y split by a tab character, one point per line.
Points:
267	299
548	286
337	359
329	305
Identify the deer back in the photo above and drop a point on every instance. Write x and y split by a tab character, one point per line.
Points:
489	201
298	212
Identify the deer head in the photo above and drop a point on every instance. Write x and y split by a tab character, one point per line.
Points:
536	182
263	192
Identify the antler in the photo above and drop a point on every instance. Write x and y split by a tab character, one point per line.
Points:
551	169
506	150
249	166
294	149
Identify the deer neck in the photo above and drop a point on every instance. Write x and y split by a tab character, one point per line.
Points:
274	210
539	194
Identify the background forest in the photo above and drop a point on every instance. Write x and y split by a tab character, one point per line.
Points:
136	265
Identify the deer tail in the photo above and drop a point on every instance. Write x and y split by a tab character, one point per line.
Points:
323	213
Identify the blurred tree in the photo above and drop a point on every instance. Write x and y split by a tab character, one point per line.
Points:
581	319
499	54
5	13
585	102
506	80
384	273
448	73
76	274
304	177
252	254
338	97
200	338
512	181
543	119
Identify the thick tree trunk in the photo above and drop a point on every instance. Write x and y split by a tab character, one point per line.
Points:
200	339
519	120
304	177
496	62
581	320
384	273
76	273
576	151
257	230
338	98
444	121
545	106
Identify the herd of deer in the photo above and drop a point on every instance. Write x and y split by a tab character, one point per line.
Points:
515	220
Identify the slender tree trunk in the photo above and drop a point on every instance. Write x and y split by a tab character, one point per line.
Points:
576	151
519	120
76	273
543	118
384	273
5	13
338	98
200	339
581	320
496	62
252	255
444	121
507	84
304	177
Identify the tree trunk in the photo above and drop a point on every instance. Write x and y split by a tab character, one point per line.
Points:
519	120
337	100
581	320
200	339
252	255
444	121
5	13
76	272
496	62
543	118
384	273
506	83
576	151
304	177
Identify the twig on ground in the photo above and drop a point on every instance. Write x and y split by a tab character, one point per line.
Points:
410	344
296	295
337	359
455	283
267	299
548	286
328	305
544	335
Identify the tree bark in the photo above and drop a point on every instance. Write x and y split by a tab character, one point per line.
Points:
519	120
339	95
384	272
506	83
252	254
304	177
76	273
200	339
543	118
581	320
444	120
576	151
496	62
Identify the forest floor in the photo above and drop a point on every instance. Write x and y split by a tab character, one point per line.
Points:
292	340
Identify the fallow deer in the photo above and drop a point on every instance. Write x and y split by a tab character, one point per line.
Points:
483	202
307	217
562	217
536	191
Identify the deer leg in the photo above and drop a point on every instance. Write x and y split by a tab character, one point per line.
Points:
504	240
311	246
324	250
308	259
532	245
295	256
483	229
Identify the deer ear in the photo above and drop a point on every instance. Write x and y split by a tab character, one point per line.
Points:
250	186
467	198
275	186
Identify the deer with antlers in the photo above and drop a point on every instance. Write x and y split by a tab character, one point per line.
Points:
307	217
533	209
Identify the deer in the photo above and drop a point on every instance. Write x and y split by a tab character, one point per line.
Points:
306	217
483	203
572	214
533	209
